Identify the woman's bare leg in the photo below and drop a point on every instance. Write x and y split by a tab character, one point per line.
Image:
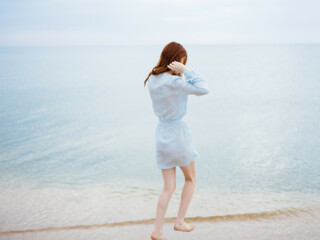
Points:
169	186
189	172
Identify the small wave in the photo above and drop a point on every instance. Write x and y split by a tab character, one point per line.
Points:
218	218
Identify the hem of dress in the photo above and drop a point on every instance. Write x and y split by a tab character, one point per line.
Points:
180	165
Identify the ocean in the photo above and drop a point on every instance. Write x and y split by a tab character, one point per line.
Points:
77	135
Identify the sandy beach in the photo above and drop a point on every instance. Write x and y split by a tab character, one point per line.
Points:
286	225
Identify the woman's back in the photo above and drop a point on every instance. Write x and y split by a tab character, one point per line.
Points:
168	102
169	93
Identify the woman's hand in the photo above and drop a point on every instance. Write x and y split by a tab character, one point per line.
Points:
178	67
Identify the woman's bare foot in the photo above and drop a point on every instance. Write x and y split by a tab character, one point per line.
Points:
157	236
184	227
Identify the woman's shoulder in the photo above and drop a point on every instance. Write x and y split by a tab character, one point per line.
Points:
162	75
164	78
172	77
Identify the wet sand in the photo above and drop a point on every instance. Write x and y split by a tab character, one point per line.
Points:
283	225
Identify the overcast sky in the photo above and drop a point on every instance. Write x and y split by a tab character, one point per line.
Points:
100	22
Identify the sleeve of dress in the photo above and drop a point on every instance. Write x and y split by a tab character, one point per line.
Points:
194	83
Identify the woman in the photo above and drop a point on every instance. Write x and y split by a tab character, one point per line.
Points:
174	144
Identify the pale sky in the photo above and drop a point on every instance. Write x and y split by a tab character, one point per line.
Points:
139	22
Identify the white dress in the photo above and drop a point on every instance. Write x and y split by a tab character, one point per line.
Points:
169	95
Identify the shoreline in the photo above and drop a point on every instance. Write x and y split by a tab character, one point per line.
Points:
259	216
282	225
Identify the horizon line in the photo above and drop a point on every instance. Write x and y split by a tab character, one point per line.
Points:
159	44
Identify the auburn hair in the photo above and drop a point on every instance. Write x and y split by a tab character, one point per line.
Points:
173	51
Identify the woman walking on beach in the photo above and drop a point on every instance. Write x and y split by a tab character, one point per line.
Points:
174	144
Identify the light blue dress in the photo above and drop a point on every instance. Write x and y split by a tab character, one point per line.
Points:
169	95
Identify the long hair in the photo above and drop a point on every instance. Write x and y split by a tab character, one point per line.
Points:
173	51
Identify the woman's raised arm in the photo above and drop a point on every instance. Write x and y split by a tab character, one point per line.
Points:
195	84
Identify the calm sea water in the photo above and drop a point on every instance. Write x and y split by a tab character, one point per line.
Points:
77	133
